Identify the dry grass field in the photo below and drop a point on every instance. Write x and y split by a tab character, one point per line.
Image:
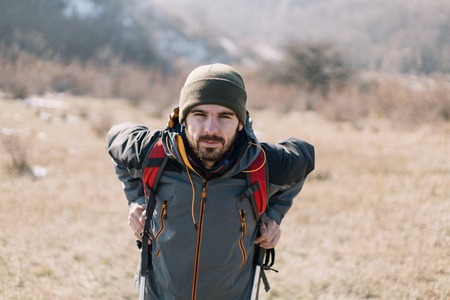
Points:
373	219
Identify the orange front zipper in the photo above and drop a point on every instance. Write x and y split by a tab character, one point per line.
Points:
163	215
199	240
241	241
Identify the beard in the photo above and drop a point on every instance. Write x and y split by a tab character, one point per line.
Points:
210	156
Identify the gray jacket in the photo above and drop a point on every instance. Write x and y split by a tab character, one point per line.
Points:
203	231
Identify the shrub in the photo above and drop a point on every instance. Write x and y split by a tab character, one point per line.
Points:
17	150
314	65
101	124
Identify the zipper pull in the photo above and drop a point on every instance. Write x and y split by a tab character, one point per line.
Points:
242	220
204	192
164	208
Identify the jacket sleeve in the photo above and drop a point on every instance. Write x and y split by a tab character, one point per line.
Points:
289	161
128	145
133	188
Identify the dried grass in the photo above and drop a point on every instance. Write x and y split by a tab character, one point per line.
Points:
376	226
406	100
371	222
27	75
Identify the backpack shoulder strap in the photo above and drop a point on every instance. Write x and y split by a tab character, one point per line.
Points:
258	177
154	166
257	185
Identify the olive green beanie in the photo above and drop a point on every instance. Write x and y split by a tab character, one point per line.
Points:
214	84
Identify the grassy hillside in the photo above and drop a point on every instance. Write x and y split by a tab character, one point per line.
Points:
371	222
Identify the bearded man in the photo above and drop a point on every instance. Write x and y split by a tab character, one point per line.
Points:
203	235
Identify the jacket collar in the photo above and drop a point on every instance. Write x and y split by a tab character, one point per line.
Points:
223	165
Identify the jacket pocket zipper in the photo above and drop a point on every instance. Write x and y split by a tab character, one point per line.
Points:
163	216
241	241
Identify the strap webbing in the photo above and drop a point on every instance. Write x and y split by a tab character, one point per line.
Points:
151	177
257	173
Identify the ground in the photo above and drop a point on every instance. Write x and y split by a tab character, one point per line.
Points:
372	221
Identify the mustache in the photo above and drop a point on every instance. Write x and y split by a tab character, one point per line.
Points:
207	137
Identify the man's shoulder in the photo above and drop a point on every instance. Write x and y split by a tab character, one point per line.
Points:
288	145
132	130
129	142
290	160
127	127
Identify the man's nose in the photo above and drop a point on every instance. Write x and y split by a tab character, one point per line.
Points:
211	126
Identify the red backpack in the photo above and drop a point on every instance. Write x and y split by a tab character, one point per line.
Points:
257	192
157	160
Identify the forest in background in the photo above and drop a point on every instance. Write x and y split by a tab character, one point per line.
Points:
348	60
394	36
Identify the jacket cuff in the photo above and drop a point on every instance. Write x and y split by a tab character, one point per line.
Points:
139	201
274	215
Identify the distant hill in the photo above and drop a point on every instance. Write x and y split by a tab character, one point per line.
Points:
393	36
387	35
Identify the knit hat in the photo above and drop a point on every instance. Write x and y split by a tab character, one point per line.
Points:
214	84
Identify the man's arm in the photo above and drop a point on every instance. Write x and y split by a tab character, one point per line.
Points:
134	192
290	161
281	201
128	143
133	188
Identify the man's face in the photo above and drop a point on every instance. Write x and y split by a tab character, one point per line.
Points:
211	130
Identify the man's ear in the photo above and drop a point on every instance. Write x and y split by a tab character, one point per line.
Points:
240	126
